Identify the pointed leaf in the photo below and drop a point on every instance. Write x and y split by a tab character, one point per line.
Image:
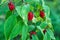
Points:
46	36
9	25
43	25
34	37
24	32
23	12
50	34
16	30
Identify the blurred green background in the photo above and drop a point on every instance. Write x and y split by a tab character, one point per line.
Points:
55	17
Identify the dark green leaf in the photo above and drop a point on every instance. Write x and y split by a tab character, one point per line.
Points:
39	34
8	14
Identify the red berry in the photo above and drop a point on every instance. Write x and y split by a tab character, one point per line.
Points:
42	14
44	31
32	33
30	16
11	6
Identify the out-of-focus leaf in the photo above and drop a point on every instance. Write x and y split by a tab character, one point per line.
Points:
3	9
3	1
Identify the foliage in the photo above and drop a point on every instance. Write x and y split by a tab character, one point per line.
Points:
16	22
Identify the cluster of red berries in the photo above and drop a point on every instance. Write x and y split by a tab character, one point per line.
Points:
34	33
31	15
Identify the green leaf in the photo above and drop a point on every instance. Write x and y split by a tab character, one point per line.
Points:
17	29
29	1
23	12
24	32
39	34
3	1
31	28
28	39
3	9
46	36
34	37
50	34
9	25
33	1
43	25
38	27
47	10
8	14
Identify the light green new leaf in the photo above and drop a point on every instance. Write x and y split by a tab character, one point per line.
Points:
34	37
9	25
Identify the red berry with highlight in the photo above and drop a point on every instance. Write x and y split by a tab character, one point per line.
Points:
42	14
11	6
30	16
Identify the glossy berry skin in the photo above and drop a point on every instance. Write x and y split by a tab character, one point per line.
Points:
30	16
44	31
11	6
42	14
